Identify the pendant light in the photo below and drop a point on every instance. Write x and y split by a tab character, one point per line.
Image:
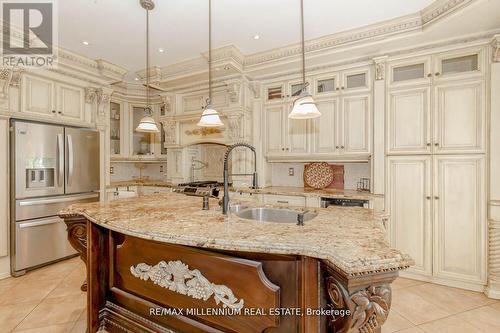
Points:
147	123
210	117
304	106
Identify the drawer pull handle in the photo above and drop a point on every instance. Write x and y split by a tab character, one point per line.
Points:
282	201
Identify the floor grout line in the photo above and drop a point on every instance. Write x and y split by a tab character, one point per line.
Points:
45	297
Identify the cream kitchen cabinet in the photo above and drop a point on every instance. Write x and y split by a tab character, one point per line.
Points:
442	112
408	203
54	100
437	215
344	127
285	136
408	127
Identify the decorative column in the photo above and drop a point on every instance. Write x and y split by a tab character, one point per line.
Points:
378	157
493	289
103	96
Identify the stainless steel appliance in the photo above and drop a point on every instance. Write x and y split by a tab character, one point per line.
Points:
51	167
206	189
325	202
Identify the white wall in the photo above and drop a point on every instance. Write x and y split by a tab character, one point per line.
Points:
128	171
352	173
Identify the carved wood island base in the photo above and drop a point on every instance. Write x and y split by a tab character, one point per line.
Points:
137	284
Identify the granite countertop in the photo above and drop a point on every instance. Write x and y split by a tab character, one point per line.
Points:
310	192
277	190
351	239
139	182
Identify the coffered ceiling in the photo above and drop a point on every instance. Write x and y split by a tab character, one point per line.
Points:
115	29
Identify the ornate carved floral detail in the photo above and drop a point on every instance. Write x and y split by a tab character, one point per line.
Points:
167	104
90	95
380	63
496	48
177	277
204	131
233	90
368	307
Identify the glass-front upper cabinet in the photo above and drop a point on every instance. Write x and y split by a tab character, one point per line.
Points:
457	65
142	143
410	72
115	128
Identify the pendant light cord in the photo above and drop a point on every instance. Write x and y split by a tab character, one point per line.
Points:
209	52
148	107
303	44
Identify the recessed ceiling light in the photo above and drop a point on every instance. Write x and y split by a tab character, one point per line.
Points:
256	37
85	42
161	50
137	79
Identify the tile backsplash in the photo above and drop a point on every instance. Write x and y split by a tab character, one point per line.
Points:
352	173
128	171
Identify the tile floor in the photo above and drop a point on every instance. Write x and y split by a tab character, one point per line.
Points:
49	300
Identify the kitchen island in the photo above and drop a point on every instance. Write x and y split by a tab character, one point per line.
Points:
160	263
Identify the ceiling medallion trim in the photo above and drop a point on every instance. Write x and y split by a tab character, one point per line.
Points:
177	277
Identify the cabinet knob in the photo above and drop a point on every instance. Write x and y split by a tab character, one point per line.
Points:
437	74
53	111
283	149
343	88
429	75
341	147
288	149
60	112
428	144
337	88
428	197
436	197
436	144
337	147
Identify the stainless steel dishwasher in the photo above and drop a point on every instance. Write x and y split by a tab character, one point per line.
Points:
325	202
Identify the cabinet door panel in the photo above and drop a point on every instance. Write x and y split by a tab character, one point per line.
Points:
408	121
324	128
296	135
356	125
408	189
70	102
274	125
459	118
38	96
459	218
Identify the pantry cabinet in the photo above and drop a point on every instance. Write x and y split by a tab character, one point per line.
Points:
437	112
437	215
52	100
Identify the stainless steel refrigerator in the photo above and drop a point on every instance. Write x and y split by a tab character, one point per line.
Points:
51	167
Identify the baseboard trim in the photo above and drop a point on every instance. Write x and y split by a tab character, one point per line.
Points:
445	282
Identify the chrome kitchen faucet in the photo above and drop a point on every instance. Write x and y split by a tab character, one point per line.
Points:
225	198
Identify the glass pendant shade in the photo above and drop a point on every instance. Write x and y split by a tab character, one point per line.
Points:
147	125
304	108
210	118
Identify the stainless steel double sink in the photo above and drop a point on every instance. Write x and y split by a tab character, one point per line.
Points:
269	214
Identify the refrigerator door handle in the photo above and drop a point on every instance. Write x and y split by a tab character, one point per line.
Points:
39	223
58	200
70	159
60	159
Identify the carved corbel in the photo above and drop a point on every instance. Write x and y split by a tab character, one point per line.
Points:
380	63
255	88
496	48
103	97
5	78
167	103
366	309
90	95
233	91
